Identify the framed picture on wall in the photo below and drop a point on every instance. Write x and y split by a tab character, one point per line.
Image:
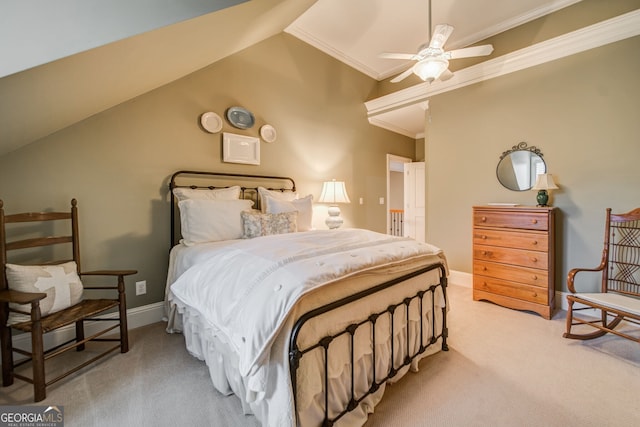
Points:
240	149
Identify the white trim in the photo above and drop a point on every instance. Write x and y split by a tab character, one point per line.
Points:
562	304
461	278
596	35
485	33
306	37
136	317
513	22
376	121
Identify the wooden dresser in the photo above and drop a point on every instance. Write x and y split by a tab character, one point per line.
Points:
513	257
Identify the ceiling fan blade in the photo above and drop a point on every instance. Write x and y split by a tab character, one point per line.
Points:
468	52
440	36
402	76
397	55
446	75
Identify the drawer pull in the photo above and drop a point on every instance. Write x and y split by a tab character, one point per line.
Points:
534	277
535	294
535	242
483	237
534	221
483	219
534	259
484	268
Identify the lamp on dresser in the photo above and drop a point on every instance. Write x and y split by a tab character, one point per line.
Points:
334	192
544	182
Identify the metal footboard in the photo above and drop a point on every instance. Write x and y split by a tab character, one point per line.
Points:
296	354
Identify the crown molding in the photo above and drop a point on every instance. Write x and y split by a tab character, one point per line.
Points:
513	22
381	123
596	35
306	37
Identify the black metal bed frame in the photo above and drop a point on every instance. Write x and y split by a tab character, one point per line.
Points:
296	354
250	193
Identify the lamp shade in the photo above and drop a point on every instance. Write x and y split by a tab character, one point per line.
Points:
334	192
430	69
545	182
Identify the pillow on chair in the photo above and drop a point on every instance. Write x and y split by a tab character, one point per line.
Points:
60	282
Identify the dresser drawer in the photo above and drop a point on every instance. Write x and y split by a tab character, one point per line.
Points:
528	276
510	289
524	220
511	239
521	257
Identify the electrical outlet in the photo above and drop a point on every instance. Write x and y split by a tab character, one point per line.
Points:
141	287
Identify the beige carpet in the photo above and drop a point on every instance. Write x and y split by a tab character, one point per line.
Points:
504	368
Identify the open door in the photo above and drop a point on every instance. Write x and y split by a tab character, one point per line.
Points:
414	201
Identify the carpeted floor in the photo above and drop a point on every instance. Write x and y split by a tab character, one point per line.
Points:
504	368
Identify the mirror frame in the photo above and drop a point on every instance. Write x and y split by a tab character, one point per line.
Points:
521	146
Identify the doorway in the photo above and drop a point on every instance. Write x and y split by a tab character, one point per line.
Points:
395	194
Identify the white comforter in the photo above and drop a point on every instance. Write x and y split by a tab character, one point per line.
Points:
245	291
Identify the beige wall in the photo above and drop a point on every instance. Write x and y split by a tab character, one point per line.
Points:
583	113
116	163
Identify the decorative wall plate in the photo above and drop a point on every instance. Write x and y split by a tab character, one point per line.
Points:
240	117
211	122
268	133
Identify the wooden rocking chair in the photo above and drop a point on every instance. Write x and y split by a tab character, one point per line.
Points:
619	298
55	283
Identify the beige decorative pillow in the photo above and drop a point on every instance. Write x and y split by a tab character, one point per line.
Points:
60	282
304	206
229	193
279	195
257	224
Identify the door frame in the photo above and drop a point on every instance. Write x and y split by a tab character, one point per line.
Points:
392	160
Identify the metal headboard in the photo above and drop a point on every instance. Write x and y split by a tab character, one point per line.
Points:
212	180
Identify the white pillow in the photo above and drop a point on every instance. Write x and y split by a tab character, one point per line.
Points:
211	220
304	206
60	282
229	193
278	195
258	224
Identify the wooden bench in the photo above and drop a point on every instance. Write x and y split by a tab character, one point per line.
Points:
15	303
619	298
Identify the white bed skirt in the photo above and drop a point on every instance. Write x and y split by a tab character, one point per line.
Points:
275	407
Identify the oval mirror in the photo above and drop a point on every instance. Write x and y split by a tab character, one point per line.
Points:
518	168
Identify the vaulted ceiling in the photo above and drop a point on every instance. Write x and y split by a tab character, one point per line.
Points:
49	96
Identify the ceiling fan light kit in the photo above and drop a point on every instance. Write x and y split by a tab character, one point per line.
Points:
430	69
433	60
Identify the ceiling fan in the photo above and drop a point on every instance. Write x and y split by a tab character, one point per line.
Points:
432	60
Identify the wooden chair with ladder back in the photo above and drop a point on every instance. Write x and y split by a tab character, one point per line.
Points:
619	296
45	296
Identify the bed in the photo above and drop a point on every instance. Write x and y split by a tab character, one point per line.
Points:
305	326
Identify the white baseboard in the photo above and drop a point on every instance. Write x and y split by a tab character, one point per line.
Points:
136	317
461	278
